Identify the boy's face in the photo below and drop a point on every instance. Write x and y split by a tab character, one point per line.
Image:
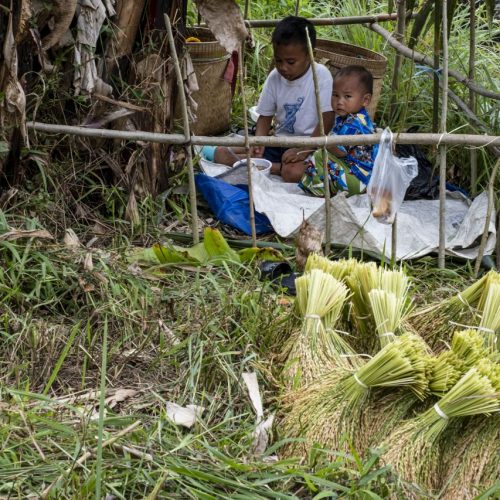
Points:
292	60
349	96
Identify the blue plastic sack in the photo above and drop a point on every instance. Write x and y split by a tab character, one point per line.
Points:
231	204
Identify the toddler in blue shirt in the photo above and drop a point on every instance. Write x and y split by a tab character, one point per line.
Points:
349	167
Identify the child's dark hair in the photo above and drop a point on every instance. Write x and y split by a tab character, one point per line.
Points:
292	29
365	77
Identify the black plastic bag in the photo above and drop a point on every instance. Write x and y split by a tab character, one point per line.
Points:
425	186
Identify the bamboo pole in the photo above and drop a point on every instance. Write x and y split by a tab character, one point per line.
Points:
297	7
437	60
247	9
428	61
489	211
324	153
329	21
187	132
247	147
442	148
399	35
476	140
398	60
472	96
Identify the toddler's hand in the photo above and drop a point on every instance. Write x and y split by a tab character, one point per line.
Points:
293	155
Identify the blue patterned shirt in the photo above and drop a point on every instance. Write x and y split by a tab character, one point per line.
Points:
359	158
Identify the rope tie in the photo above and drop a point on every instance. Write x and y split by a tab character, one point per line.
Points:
317	317
440	412
485	329
387	334
359	382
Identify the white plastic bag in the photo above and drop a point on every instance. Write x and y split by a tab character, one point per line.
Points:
390	179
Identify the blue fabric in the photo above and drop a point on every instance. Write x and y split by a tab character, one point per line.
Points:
359	158
231	204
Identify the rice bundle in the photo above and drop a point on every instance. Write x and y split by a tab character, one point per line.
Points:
387	310
435	323
473	394
490	319
414	449
339	269
400	363
332	406
467	348
471	459
317	347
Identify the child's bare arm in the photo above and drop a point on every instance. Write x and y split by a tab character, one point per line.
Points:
262	127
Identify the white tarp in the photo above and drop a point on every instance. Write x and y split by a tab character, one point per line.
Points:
417	228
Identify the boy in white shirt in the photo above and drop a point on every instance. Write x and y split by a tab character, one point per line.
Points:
288	97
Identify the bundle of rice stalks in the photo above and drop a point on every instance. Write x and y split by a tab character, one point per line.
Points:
363	279
436	323
400	363
467	348
339	269
490	318
332	407
317	348
415	448
388	310
380	302
312	415
471	459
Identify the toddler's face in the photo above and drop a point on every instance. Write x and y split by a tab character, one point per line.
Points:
291	60
349	96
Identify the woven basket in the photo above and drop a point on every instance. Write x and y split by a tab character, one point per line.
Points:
214	97
336	55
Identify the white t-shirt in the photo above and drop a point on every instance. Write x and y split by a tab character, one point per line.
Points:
293	103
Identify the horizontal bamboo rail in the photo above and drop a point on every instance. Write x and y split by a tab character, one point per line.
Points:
475	140
328	21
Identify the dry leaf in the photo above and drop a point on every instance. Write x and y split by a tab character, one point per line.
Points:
185	416
260	435
16	234
71	240
225	21
88	263
119	396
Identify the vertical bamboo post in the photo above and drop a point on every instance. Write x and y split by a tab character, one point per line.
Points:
489	211
437	52
247	9
247	146
472	95
326	176
398	59
297	7
400	32
442	148
187	132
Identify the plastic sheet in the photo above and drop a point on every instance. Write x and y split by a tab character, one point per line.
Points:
231	204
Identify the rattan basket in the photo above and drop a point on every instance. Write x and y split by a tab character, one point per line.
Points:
214	97
335	55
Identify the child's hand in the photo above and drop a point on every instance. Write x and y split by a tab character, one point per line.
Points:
294	155
256	151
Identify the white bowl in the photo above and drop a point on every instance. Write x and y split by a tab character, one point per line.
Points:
261	165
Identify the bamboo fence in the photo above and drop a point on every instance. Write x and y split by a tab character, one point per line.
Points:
441	139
